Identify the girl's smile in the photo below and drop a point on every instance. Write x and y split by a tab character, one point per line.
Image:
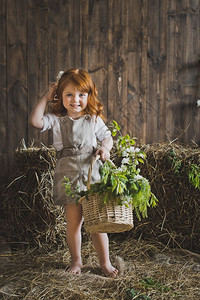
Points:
74	101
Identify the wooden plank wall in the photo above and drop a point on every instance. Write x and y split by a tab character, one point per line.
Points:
143	55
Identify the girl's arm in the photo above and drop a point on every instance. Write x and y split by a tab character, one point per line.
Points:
37	114
106	146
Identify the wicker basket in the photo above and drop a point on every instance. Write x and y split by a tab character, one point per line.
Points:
99	217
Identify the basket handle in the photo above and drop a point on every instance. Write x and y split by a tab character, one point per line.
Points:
95	158
90	169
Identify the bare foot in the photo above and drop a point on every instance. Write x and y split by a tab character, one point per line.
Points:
110	271
75	268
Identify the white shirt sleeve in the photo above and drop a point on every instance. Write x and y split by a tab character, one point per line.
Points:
50	120
101	130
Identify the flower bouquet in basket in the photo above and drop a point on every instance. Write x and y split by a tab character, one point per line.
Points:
108	205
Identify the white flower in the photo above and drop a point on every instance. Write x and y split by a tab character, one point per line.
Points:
130	150
138	177
124	154
59	75
120	169
125	160
198	102
123	168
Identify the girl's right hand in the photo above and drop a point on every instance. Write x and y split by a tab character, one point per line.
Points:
51	94
37	114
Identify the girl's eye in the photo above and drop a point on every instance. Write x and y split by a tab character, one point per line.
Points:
69	95
82	95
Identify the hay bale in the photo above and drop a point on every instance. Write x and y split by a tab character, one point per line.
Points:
32	218
35	221
175	221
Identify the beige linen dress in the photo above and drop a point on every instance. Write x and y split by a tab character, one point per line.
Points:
75	157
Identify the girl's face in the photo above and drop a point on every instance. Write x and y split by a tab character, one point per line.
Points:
74	101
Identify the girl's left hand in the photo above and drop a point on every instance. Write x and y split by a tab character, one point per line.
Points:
104	153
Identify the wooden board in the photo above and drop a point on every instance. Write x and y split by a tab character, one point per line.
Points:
17	100
3	102
98	42
59	33
156	68
117	63
38	59
137	70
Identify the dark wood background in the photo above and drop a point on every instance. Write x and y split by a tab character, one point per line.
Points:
144	56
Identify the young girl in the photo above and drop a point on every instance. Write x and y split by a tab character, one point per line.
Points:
76	121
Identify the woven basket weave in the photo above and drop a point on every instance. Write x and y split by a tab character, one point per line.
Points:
99	217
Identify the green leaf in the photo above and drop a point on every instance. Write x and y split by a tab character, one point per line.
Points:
114	133
141	160
194	175
116	125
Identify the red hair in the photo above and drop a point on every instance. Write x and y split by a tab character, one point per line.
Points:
81	79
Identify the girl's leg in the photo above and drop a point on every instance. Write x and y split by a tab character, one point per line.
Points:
73	236
101	245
